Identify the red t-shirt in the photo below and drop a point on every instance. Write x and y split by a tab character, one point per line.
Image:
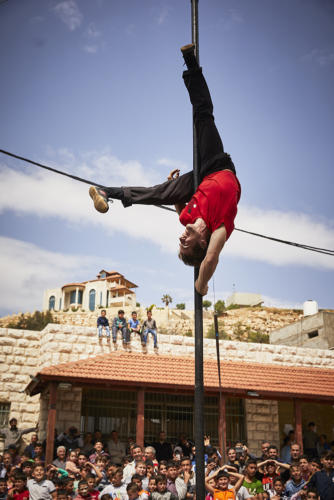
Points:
24	495
215	201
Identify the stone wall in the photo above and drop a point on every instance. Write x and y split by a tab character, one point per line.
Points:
262	424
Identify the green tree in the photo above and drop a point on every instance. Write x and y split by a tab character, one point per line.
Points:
220	307
137	304
36	321
207	304
181	306
211	333
166	299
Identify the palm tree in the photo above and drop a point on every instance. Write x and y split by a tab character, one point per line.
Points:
166	299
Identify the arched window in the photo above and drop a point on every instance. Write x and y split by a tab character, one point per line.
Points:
92	300
52	301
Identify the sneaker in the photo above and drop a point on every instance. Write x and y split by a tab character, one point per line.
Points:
99	198
188	52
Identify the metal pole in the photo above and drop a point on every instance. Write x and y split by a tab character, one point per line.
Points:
199	389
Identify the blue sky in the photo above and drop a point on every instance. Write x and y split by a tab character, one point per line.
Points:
94	87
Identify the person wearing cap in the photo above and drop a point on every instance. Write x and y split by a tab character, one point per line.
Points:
221	490
13	435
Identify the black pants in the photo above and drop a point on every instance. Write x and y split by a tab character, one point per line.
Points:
211	151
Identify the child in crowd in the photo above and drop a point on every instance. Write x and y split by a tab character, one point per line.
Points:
27	468
161	492
162	469
141	470
82	490
119	324
222	490
39	487
62	495
19	491
3	488
91	481
152	484
117	488
211	482
296	482
277	492
103	324
304	465
134	325
250	482
132	491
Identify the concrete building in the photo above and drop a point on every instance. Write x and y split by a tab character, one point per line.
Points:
110	288
314	331
64	376
244	299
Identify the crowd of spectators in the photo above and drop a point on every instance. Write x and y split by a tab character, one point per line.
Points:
124	328
91	466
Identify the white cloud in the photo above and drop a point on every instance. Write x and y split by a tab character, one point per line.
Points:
92	31
69	13
91	49
49	195
322	57
27	270
168	162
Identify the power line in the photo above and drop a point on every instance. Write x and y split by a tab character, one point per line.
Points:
324	251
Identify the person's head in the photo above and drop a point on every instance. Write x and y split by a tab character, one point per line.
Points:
38	449
83	489
138	480
214	456
88	437
103	312
149	453
82	459
222	480
273	452
121	314
264	448
98	446
295	473
271	468
162	434
149	468
137	452
12	450
161	484
311	426
61	453
234	479
304	463
27	468
172	471
132	491
91	481
140	468
34	438
278	485
186	464
117	477
315	465
152	484
3	485
295	451
162	468
212	482
149	316
193	246
7	459
73	457
111	469
69	485
38	473
251	468
97	435
134	315
232	455
62	495
13	423
327	460
106	496
101	463
312	494
20	481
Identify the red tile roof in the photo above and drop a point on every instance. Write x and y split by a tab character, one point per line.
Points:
74	284
154	371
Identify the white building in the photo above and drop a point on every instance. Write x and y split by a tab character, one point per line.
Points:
244	299
110	288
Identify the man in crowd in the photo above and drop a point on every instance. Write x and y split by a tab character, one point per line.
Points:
149	326
116	448
13	435
119	324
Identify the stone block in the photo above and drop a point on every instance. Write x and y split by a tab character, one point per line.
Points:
28	334
19	360
23	343
31	362
263	426
65	348
6	341
14	368
8	377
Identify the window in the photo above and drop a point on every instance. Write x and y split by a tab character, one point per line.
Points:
4	414
52	301
100	298
80	297
92	300
313	334
103	275
73	297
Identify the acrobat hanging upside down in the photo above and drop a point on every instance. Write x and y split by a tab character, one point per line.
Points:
208	215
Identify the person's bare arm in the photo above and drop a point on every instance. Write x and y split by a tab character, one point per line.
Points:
238	484
209	264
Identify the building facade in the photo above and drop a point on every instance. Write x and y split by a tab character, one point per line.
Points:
110	288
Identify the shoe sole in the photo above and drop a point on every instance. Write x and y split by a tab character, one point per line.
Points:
100	203
188	48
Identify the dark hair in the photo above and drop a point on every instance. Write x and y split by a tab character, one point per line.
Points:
251	461
137	446
61	492
278	480
149	462
82	482
222	473
3	480
272	447
20	475
195	259
134	312
27	463
161	479
132	488
106	496
136	476
183	459
170	464
121	311
103	311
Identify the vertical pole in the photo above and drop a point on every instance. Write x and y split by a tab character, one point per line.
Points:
222	426
298	423
50	433
140	417
199	388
